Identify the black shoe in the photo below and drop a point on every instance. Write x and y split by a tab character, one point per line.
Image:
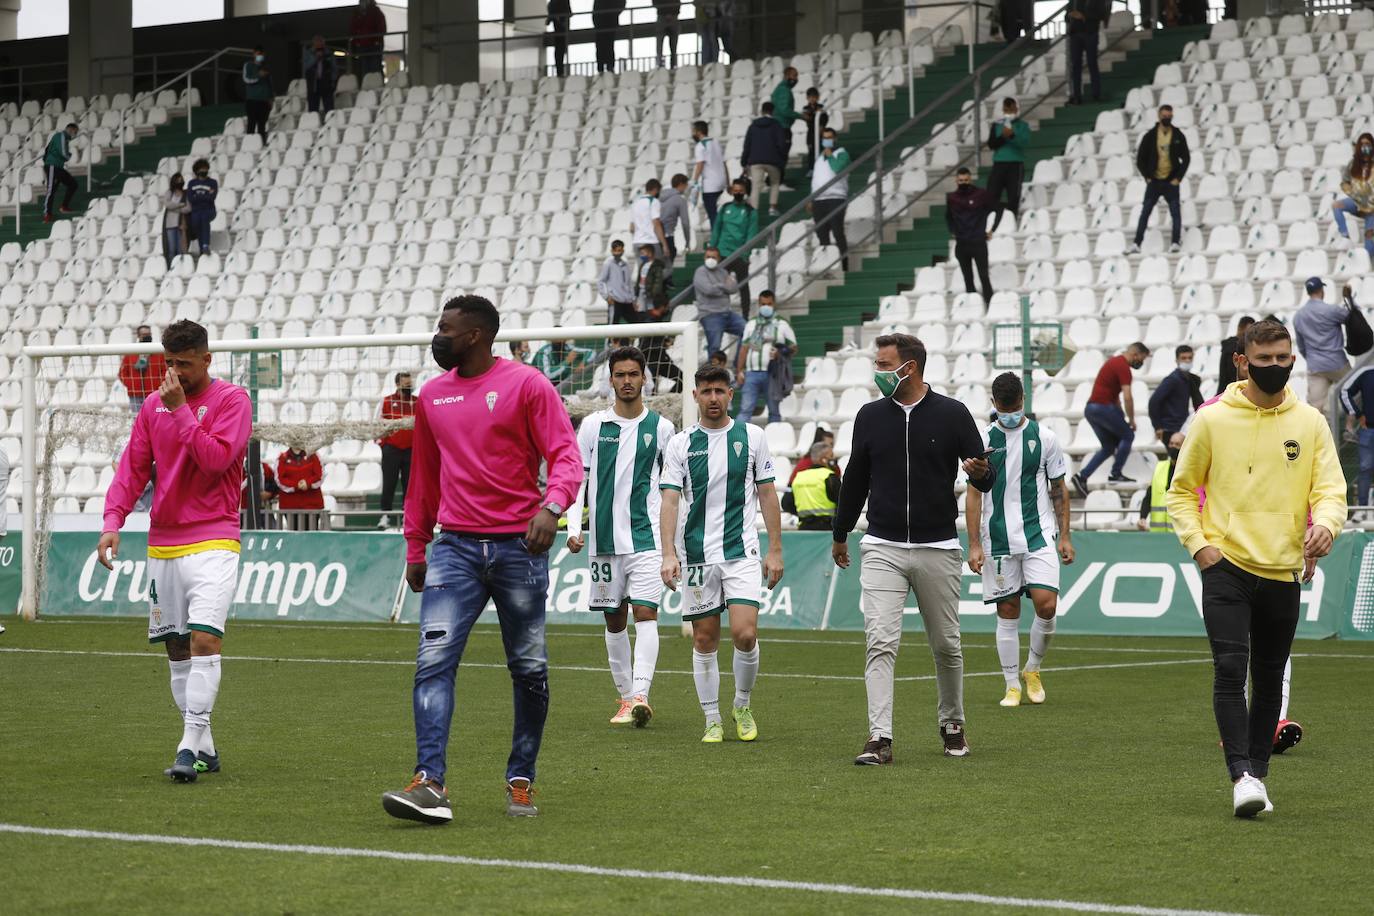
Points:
956	745
877	752
207	764
1120	478
424	800
184	767
1080	486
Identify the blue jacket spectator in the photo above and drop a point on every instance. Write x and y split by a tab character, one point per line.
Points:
201	193
1178	394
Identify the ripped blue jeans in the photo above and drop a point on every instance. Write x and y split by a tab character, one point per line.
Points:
463	573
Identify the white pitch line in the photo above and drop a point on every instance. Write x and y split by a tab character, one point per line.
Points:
572	868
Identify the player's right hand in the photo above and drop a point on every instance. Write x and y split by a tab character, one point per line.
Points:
575	544
670	572
107	551
975	558
415	575
1207	557
839	552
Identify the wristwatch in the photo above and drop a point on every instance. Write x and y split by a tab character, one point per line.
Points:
555	508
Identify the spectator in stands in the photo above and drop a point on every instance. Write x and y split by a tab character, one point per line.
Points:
815	492
1357	397
674	212
1009	20
709	175
706	28
202	193
966	214
560	18
828	203
713	286
1085	20
1226	372
1115	427
520	351
1357	183
1318	329
805	461
651	287
616	285
606	22
396	447
667	28
816	119
55	156
646	219
767	342
562	362
175	208
766	146
1162	159
321	74
269	492
1008	140
257	94
784	103
718	359
142	373
736	223
1154	510
1178	394
366	30
657	362
4	504
300	477
725	26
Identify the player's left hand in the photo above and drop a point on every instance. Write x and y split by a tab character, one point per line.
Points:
670	572
1317	543
415	576
1066	553
772	567
575	544
302	485
539	536
171	393
977	468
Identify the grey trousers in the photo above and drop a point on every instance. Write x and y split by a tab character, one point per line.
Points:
757	174
887	575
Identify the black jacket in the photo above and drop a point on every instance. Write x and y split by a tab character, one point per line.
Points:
1147	156
766	142
1226	373
1169	404
906	466
1095	13
966	215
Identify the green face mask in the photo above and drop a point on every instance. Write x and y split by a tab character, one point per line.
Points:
888	380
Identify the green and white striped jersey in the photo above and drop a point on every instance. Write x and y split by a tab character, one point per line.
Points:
623	459
718	472
1018	517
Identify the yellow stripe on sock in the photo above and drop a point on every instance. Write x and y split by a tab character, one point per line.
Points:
172	552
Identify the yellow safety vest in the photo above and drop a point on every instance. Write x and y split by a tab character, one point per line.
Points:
808	490
1159	488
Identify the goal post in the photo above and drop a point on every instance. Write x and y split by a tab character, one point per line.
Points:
75	417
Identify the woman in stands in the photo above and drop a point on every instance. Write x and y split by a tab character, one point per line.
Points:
175	206
1357	181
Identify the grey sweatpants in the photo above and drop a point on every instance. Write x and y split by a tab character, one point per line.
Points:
887	575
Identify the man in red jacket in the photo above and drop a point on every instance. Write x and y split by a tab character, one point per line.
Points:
300	477
142	374
366	28
396	447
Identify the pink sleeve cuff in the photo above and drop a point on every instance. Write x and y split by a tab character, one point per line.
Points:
415	551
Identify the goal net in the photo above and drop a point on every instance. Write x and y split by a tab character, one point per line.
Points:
322	395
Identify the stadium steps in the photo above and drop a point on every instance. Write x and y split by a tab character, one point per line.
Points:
141	158
892	269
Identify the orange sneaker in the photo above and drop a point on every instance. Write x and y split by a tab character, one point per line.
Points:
640	711
518	801
624	713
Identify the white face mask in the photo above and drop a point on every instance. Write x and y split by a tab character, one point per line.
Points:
1187	366
711	263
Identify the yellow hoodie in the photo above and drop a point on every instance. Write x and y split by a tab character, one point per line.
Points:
1264	472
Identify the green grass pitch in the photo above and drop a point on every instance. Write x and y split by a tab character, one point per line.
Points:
1112	793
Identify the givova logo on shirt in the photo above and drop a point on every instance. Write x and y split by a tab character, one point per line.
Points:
451	399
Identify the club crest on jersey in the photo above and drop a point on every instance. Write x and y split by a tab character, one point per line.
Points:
739	447
200	413
1031	445
648	437
491	401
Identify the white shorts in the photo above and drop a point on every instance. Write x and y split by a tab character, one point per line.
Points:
1009	577
709	588
634	576
188	593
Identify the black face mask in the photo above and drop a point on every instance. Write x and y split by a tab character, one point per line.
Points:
1270	379
202	174
1166	122
146	338
405	392
441	348
965	188
738	197
791	83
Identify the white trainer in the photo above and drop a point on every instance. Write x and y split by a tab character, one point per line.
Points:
1249	796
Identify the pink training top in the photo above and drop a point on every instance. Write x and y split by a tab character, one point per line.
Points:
198	449
474	465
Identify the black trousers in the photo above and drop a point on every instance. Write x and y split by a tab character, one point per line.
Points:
1250	623
816	523
57	175
656	358
605	27
967	254
319	97
257	111
624	313
395	464
741	271
1081	45
1006	177
560	45
1157	188
834	226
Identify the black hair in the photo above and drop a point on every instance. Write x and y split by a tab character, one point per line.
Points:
677	179
767	108
814	91
1007	389
1266	331
71	125
200	164
909	348
488	318
653	184
701	127
963	170
1168	108
401	375
718	353
621	354
183	335
769	293
1181	349
1009	101
615	242
707	374
1244	322
1140	348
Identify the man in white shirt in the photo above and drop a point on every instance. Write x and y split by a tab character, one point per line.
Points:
709	175
766	338
646	222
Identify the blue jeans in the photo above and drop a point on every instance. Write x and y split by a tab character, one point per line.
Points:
172	244
1340	208
1116	436
755	390
1366	475
200	227
463	574
716	324
1157	188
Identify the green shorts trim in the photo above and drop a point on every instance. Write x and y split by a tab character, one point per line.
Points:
1043	588
649	604
205	628
715	612
1016	595
153	640
668	486
753	604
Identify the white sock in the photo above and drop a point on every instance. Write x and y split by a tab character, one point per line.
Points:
180	671
646	656
1287	677
202	686
706	672
746	672
1009	649
1041	632
618	652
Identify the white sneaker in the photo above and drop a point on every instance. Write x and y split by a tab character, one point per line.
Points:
1174	248
1134	249
1249	796
384	522
2	628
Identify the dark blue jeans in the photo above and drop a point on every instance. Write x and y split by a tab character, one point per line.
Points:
1116	436
463	574
1157	188
715	324
756	390
1366	473
199	221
